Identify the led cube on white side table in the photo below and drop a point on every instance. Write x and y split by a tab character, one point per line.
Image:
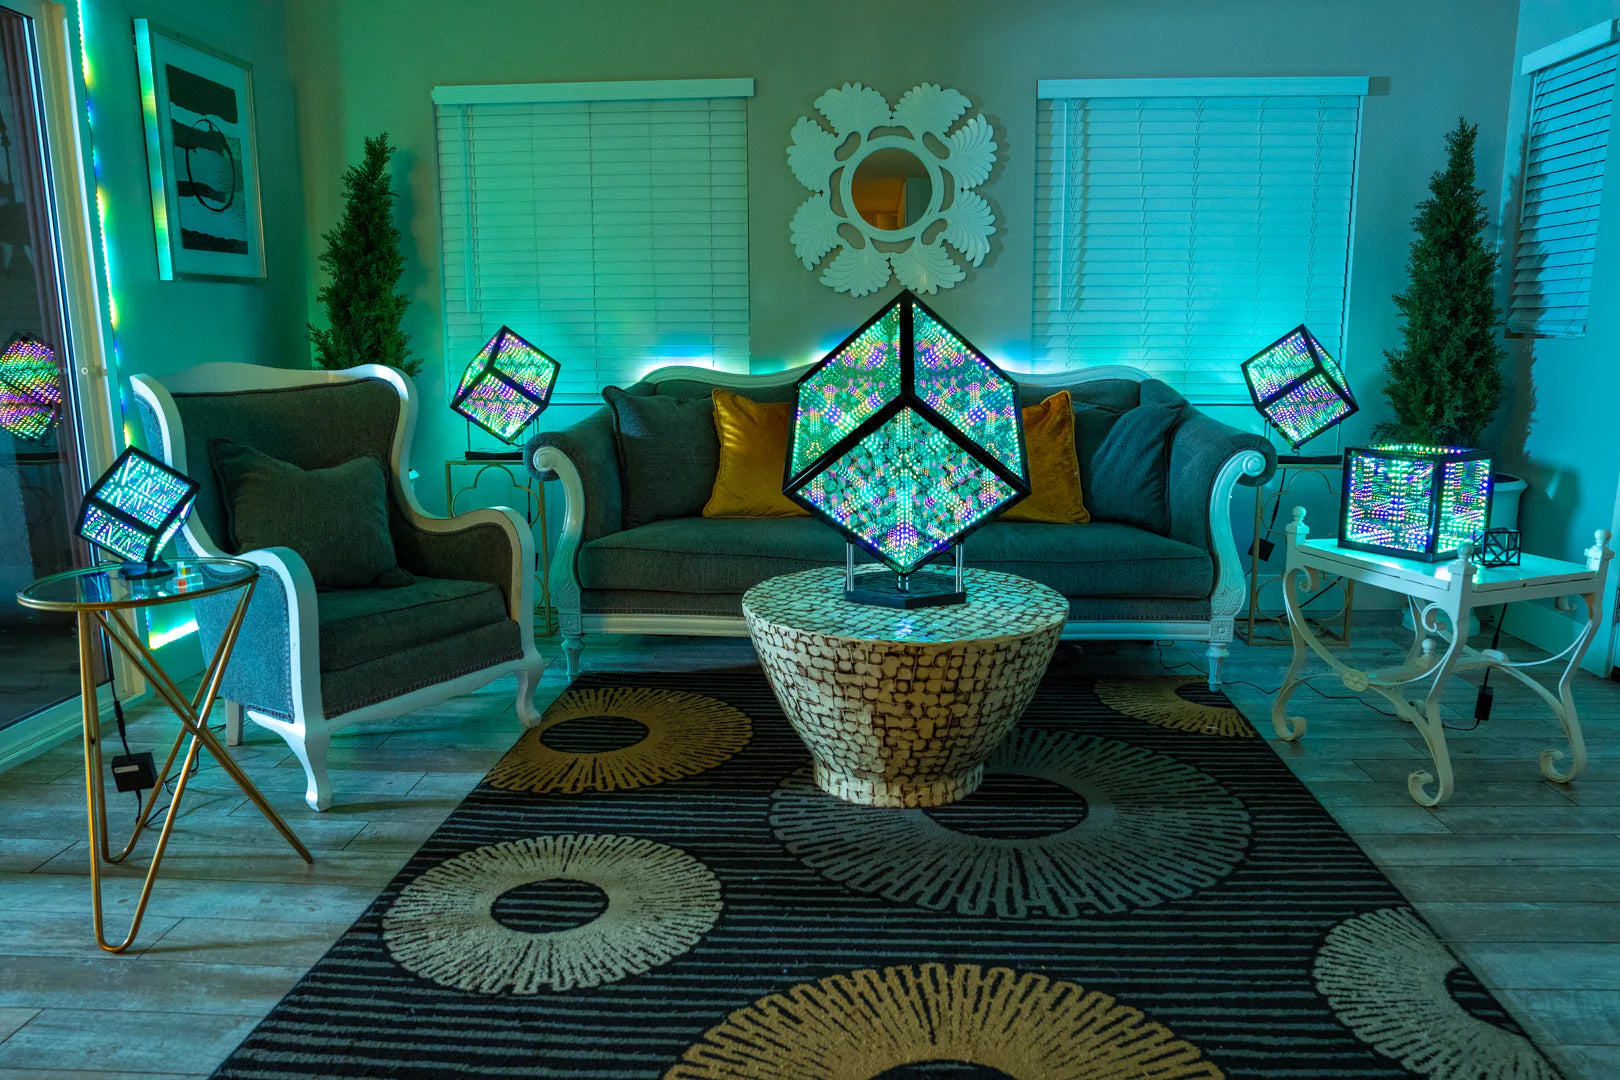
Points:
1451	589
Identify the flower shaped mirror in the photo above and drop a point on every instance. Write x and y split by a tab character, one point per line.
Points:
892	189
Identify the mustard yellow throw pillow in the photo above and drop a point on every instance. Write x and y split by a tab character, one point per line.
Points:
753	456
1054	470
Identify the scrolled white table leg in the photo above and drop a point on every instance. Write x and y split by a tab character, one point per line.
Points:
1568	718
1292	727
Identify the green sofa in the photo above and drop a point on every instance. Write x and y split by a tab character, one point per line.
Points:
687	575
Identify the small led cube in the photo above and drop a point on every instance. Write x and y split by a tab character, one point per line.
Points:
135	509
1298	387
1419	502
506	386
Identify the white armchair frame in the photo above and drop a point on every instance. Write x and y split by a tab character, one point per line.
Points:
1216	631
308	733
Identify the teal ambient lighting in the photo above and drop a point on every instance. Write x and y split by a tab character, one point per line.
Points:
506	386
134	510
905	439
30	389
1418	502
1298	387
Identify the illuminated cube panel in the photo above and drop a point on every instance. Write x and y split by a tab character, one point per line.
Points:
30	388
860	377
906	437
506	386
1418	502
1298	387
136	507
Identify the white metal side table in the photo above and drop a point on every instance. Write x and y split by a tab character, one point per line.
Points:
1450	589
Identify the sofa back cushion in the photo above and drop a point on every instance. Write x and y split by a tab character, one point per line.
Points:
668	453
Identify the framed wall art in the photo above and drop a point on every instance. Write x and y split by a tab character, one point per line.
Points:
203	156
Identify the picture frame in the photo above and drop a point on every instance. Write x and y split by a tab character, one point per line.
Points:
202	155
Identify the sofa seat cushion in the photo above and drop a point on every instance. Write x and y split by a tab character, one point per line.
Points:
360	625
731	555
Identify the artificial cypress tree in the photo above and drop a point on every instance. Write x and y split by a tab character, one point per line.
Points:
363	265
1445	380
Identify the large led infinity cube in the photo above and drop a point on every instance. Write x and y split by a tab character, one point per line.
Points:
1298	387
506	386
134	510
905	439
30	389
1418	502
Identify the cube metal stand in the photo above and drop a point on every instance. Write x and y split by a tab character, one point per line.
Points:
918	589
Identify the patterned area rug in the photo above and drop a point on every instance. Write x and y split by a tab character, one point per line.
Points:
648	885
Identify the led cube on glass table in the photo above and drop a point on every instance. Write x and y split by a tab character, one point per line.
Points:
1298	387
905	439
1417	502
506	386
30	388
134	510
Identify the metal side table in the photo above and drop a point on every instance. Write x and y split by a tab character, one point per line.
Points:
100	598
1441	596
534	511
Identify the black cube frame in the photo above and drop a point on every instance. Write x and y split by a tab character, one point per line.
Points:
1432	551
494	345
151	565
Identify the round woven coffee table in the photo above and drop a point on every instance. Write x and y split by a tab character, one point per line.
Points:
901	708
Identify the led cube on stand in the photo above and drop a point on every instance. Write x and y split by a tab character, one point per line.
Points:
1298	387
507	385
1418	502
134	510
905	439
30	388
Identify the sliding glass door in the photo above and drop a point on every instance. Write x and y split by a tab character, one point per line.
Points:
41	460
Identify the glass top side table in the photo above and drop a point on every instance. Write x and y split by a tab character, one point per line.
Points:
98	597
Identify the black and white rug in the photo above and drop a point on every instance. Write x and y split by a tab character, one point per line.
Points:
648	885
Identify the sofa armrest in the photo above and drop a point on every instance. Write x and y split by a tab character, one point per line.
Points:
1201	451
591	449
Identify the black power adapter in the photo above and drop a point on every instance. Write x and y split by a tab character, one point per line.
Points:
134	772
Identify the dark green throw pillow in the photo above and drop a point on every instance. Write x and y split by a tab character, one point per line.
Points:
336	518
668	454
1130	472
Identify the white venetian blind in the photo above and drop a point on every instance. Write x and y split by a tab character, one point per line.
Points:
1182	234
610	228
1567	144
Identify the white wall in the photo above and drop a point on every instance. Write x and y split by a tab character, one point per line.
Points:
1559	429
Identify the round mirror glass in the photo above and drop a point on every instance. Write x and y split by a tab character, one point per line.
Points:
891	189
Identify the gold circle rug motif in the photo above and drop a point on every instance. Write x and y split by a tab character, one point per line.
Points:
1385	975
1157	700
660	903
859	1025
1154	829
685	734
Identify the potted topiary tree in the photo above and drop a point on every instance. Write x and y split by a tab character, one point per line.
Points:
1444	382
363	265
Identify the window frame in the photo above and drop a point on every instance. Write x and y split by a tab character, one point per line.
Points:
660	90
1358	86
1597	36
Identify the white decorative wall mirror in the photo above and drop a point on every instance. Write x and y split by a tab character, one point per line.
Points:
892	187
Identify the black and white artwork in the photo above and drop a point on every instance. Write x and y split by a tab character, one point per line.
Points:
203	157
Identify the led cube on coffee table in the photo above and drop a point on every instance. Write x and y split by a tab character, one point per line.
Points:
905	439
1418	502
1298	387
134	510
30	388
506	386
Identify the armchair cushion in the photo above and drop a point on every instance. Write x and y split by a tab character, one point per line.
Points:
668	454
360	625
336	518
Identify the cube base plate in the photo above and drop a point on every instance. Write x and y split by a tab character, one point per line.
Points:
924	589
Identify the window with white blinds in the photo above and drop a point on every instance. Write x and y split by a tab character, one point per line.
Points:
1184	224
607	223
1566	144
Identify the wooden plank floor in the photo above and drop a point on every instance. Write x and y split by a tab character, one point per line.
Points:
1520	875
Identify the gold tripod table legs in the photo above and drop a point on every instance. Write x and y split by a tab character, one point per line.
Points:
193	716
